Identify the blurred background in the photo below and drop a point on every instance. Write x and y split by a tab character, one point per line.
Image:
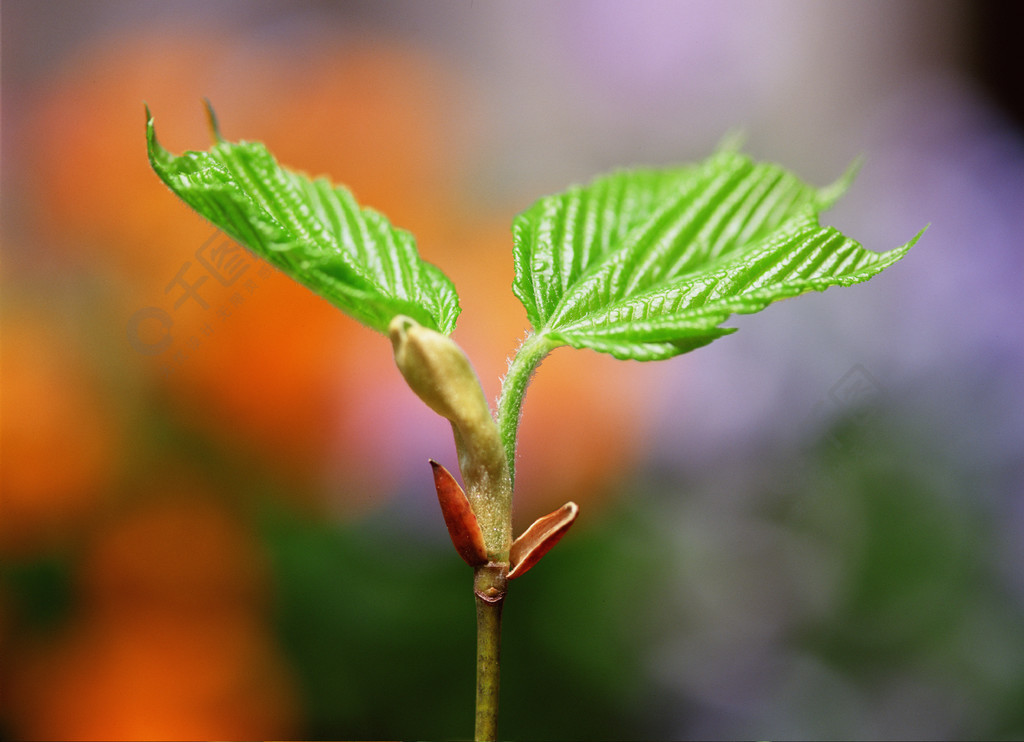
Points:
217	518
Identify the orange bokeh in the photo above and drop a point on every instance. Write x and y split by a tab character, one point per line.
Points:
170	636
374	115
60	436
396	125
176	545
172	639
156	678
271	379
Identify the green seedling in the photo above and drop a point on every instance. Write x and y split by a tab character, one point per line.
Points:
642	264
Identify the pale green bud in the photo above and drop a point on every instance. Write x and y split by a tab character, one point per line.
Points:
439	372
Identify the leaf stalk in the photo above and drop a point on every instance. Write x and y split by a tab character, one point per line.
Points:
513	390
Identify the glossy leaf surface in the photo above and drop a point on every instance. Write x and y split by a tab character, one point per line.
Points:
647	264
312	230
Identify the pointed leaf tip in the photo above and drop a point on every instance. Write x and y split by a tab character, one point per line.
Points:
459	517
312	230
211	121
733	141
537	540
647	264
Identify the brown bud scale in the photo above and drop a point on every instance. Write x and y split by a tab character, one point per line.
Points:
538	539
459	517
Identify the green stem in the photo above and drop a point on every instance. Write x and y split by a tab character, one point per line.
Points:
489	590
513	390
489	580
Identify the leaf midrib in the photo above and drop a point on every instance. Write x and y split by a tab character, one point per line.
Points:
705	214
727	265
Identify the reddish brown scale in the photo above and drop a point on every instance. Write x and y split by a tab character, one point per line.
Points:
538	539
459	517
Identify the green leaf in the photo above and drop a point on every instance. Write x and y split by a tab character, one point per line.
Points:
647	264
312	230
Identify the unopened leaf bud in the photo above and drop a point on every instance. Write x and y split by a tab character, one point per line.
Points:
439	372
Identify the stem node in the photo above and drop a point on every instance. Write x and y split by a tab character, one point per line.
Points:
489	586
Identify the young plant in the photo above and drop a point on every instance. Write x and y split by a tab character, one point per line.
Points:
642	264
